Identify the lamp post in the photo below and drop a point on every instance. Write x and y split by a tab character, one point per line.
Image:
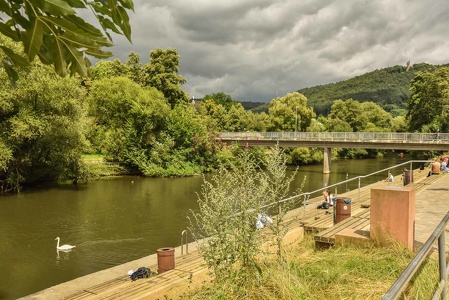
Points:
296	119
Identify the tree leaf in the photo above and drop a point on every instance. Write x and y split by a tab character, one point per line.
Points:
89	28
107	23
76	3
33	38
77	63
127	4
98	53
15	58
12	74
4	7
77	41
58	7
58	57
7	31
121	18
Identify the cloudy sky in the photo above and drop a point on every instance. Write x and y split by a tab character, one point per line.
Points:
255	50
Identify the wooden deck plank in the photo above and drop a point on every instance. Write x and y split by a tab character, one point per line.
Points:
185	265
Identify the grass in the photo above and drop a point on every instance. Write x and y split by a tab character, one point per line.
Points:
341	272
98	167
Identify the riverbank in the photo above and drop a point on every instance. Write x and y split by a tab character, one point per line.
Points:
430	208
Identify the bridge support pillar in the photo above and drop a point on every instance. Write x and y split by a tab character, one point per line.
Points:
327	160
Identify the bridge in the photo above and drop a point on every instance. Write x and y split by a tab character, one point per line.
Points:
329	140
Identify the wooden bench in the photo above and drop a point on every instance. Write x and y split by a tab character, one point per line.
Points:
360	221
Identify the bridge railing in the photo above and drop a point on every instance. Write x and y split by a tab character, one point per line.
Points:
357	181
338	136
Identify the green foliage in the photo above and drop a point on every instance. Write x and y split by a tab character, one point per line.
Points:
128	120
43	129
225	223
162	73
229	204
388	87
52	30
276	169
353	116
221	98
304	156
289	112
341	272
428	108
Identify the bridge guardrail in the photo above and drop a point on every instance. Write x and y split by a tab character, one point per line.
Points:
341	136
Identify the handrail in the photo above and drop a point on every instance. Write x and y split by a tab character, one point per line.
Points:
341	136
307	195
410	270
184	233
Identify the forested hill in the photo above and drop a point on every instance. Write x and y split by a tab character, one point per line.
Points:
388	87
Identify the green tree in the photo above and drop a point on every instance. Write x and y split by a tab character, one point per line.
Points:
221	98
366	116
52	30
110	68
290	111
429	103
161	72
128	119
43	129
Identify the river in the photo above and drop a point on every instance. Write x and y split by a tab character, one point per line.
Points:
111	222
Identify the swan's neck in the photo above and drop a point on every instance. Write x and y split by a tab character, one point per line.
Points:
57	245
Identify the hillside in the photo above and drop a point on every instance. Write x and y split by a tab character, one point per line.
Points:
388	87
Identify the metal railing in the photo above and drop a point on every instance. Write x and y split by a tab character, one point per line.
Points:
341	136
402	281
184	242
357	179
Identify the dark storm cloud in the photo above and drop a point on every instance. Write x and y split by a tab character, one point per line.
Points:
259	49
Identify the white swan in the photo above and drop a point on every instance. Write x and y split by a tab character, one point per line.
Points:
63	247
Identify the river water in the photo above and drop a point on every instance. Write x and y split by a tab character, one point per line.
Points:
112	222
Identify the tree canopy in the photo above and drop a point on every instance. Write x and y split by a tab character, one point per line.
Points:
428	108
53	31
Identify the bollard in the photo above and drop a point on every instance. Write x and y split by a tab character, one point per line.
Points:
165	259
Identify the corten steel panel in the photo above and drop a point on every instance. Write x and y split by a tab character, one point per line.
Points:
392	217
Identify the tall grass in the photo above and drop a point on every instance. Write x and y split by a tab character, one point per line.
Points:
341	272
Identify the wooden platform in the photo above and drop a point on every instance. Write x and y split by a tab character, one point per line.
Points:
188	267
360	216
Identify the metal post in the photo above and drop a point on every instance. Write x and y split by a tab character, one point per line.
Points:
358	197
184	233
442	263
296	120
347	176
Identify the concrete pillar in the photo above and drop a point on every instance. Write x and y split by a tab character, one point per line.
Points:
392	216
327	160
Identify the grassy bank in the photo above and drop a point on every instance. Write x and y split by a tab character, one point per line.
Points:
342	272
98	167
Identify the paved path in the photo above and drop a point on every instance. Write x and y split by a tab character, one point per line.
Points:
432	203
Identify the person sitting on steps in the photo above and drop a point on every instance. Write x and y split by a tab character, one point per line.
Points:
326	202
390	177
